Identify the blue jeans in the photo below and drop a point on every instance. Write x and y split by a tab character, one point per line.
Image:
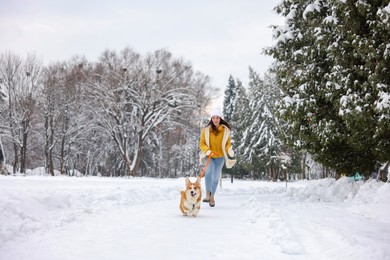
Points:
212	174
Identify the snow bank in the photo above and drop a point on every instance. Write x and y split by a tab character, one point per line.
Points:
369	198
326	190
372	200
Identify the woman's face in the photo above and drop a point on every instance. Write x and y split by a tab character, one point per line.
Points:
216	120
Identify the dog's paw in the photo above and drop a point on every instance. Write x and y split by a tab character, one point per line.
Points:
194	213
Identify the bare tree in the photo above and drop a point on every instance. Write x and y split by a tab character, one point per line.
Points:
21	79
136	95
74	122
53	80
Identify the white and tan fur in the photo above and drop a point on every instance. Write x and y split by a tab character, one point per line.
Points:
191	198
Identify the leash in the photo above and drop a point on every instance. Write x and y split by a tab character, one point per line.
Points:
207	165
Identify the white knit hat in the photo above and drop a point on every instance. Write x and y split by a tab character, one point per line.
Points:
216	112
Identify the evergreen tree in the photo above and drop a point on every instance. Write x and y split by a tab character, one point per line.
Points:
239	123
249	151
240	112
230	95
332	64
261	144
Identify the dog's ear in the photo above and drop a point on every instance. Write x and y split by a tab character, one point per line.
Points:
187	180
198	180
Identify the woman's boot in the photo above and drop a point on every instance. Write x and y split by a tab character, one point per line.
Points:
212	200
207	199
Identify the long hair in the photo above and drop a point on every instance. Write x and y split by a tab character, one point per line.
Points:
222	122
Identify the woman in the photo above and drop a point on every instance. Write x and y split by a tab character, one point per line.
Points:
215	142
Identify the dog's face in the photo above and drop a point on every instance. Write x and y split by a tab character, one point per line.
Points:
193	188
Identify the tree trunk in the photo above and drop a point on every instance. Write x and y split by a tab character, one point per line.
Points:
23	149
139	155
16	159
62	156
303	170
286	176
47	144
2	168
51	163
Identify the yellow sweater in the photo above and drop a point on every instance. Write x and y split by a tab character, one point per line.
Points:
215	142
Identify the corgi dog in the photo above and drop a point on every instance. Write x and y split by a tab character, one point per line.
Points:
191	198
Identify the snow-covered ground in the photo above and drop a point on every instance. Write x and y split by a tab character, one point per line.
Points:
139	218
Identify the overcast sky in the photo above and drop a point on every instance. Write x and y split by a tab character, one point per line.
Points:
219	37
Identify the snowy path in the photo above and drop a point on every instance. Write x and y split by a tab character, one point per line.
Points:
251	220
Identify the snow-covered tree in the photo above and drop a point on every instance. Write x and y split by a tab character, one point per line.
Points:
240	112
250	133
136	95
3	97
52	77
20	79
179	145
75	122
332	60
239	122
229	97
261	142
